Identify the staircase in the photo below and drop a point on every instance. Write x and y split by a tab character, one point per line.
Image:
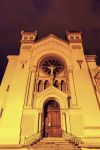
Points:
54	144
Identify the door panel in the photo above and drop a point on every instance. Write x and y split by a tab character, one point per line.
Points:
53	123
52	119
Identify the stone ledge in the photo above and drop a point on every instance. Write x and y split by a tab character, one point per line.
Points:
11	146
89	145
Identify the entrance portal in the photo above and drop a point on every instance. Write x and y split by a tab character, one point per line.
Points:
52	119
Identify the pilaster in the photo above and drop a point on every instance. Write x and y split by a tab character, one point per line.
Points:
73	100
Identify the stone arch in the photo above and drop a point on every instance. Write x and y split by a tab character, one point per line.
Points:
65	57
51	54
49	99
66	60
39	102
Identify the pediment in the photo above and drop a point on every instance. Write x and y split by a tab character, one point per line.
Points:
51	39
52	90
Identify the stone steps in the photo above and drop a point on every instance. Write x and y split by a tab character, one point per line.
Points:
60	148
54	144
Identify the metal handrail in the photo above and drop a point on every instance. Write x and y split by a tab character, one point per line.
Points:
33	138
72	138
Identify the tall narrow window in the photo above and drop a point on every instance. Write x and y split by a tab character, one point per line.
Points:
46	84
40	86
63	86
56	84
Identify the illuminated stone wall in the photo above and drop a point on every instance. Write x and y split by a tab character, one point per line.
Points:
21	104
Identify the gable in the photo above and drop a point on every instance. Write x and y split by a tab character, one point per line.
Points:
51	40
51	45
51	92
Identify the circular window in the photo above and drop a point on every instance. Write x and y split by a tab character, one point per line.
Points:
52	65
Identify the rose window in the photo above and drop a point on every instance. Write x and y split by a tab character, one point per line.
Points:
52	65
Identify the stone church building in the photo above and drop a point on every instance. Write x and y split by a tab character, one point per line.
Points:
51	89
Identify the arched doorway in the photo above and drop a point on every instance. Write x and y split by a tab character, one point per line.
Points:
52	119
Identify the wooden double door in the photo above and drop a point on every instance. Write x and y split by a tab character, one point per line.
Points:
52	119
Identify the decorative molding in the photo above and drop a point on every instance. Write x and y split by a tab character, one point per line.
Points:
90	58
50	40
26	47
28	33
76	47
27	41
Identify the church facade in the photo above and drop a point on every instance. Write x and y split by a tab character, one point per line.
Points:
50	88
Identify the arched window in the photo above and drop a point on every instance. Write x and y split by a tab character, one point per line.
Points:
46	84
40	86
63	86
57	84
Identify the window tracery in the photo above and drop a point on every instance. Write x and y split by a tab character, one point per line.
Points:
52	72
51	65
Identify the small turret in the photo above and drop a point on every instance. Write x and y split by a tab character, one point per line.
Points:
74	36
28	37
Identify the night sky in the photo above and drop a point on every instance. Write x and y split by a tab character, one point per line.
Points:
48	16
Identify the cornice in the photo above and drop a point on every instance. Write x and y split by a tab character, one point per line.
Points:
27	41
11	57
90	58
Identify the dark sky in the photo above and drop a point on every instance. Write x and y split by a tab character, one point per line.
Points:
48	16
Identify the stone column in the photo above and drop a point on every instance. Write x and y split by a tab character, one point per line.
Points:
64	121
43	84
30	88
39	121
73	101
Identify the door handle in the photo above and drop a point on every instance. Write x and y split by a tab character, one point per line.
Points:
49	124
